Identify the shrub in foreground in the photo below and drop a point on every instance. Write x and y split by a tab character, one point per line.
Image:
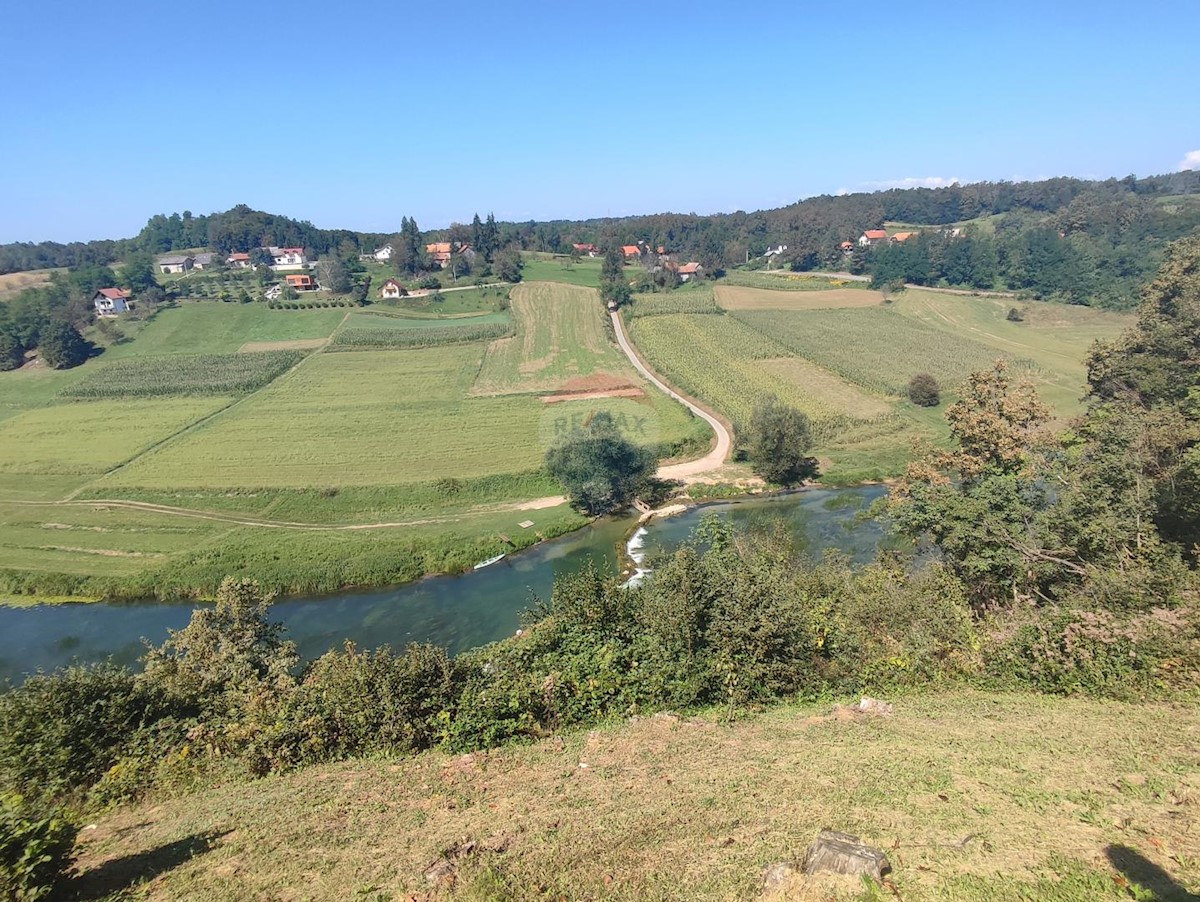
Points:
35	850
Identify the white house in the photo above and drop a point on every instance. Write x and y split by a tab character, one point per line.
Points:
273	292
690	271
383	254
203	261
872	237
175	264
392	289
775	251
111	301
286	257
239	261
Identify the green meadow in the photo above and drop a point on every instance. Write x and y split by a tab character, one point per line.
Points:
226	438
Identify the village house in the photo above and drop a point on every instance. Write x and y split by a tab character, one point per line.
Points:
239	261
111	301
775	251
382	254
273	293
300	282
631	250
392	289
174	264
203	261
441	252
286	257
590	249
901	237
872	237
847	247
689	271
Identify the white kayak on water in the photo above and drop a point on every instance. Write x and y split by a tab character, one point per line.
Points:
490	561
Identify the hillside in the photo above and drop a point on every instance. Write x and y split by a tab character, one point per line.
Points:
974	796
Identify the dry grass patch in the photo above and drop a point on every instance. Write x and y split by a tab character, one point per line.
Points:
738	297
298	344
691	808
13	282
828	387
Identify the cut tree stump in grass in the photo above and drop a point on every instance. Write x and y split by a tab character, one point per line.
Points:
841	853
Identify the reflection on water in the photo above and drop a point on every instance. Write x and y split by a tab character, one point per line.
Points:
459	612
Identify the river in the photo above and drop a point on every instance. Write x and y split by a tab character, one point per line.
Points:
459	612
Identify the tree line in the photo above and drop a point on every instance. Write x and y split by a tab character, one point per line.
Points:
1078	240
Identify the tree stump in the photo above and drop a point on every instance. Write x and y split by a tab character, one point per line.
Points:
841	853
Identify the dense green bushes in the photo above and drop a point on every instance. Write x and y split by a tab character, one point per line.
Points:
727	620
35	850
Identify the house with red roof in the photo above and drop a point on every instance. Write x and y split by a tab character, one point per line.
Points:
847	247
111	301
689	271
590	249
631	250
287	257
901	237
872	237
391	289
300	281
239	261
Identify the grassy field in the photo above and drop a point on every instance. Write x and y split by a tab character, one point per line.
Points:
561	268
786	280
975	798
735	297
562	333
93	436
446	303
730	365
216	328
290	444
849	368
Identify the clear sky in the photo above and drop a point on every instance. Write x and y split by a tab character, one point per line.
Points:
352	116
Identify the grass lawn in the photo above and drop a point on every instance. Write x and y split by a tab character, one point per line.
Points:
562	268
975	798
204	327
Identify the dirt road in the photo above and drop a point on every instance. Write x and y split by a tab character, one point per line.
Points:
711	461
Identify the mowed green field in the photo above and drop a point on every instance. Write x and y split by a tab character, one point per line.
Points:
212	327
401	445
561	268
561	334
849	368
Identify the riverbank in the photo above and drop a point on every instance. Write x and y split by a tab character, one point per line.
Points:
458	612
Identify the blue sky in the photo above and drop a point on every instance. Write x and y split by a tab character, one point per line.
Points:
354	116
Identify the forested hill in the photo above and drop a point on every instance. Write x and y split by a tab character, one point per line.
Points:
237	229
1091	242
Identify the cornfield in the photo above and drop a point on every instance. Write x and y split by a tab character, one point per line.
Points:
208	374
